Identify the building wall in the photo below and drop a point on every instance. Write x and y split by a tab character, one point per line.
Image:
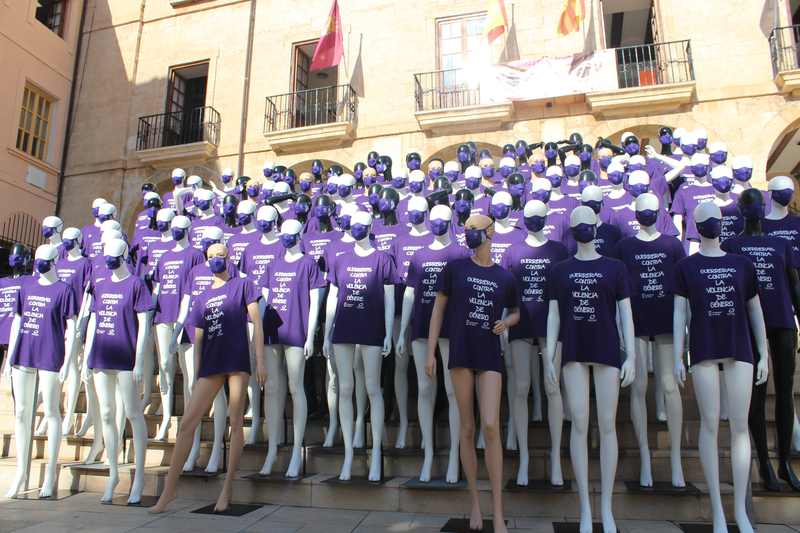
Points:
32	54
131	44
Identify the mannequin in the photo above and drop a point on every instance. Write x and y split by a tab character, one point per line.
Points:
387	227
245	217
178	177
436	168
92	245
345	189
484	306
472	182
531	262
92	231
413	161
702	138
732	221
416	189
423	271
149	251
51	230
742	166
384	169
318	235
40	345
557	219
452	171
115	347
19	260
508	166
688	197
229	205
168	284
650	258
185	195
293	285
778	222
572	167
516	187
559	202
588	326
145	221
401	250
780	303
624	217
717	325
363	278
204	216
606	235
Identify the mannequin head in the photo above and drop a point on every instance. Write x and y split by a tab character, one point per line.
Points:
540	189
538	162
400	180
164	219
688	143
52	226
464	156
369	176
360	224
194	182
244	212
72	239
110	225
290	178
516	187
229	205
316	169
583	224
114	251
440	218
217	255
152	203
592	197
290	233
702	138
781	189
280	192
268	169
708	218
507	166
535	216
452	171
332	184
384	167
575	139
742	166
637	162
345	185
305	181
203	200
665	136
387	205
722	179
751	205
501	205
417	209
96	206
278	173
718	153
509	151
586	178
106	212
585	155
551	152
630	143
638	183
372	159
266	219
462	204
358	172
45	258
374	197
478	233
616	173
180	227
211	235
323	209
487	167
178	176
302	207
413	161
227	176
335	170
555	176
442	184
19	259
472	178
700	164
241	186
646	209
436	168
572	166
522	151
345	216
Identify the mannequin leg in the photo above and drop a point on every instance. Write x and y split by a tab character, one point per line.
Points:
344	355
401	390
120	421
661	394
536	387
132	403
454	420
93	421
489	405
283	392
296	370
220	409
253	395
522	351
147	372
606	389
511	431
425	404
238	384
274	354
186	360
464	384
106	385
41	427
576	381
662	350
783	346
73	383
639	410
51	401
739	386
373	359
332	394
555	421
361	399
166	372
23	382
723	399
757	422
705	380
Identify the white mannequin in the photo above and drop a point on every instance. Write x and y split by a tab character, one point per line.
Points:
109	382
701	181
228	184
178	177
288	363
617	190
607	382
662	350
741	163
778	183
164	334
281	188
220	407
23	381
572	159
416	176
426	387
205	194
372	358
474	171
183	195
739	385
526	363
345	180
53	226
415	203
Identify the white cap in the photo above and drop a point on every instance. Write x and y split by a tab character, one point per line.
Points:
182	222
246	207
451	166
473	171
416	175
110	225
625	136
541	184
700	158
72	234
281	188
507	162
615	166
554	170
534	208
678	133
268	164
700	133
47	252
267	185
178	172
111	235
592	193
582	215
165	214
214	233
417	203
779	183
204	194
688	138
717	147
291	227
227	172
267	212
501	197
349	209
107	209
98	202
441	212
572	159
347	180
149	195
638	176
721	171
52	222
620	159
115	247
742	161
361	217
194	180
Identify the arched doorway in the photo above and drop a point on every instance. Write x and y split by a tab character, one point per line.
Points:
647	134
305	166
783	158
450	153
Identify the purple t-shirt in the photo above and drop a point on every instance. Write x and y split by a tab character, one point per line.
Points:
686	200
76	273
556	226
481	205
718	289
142	221
115	305
401	251
315	242
172	274
222	315
587	293
200	279
732	221
531	268
44	310
90	234
787	228
385	235
238	243
502	242
571	190
289	285
772	258
199	226
9	291
651	273
152	255
140	249
606	238
476	299
335	249
257	257
625	219
359	310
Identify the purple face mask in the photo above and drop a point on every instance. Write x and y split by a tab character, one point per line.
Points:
331	188
604	162
646	217
48	232
385	206
632	148
178	234
719	158
583	233
463	157
305	186
380	168
177	180
475	237
550	153
95	212
252	192
506	171
322	211
265	226
416	217
226	178
688	149
538	167
103	218
69	244
413	164
42	266
665	139
543	195
462	207
113	262
439	227
743	174
710	228
345	191
202	205
782	196
638	189
572	170
594	205
435	172
398	183
472	183
535	223
162	226
700	170
487	171
243	219
289	240
452	175
555	180
585	157
217	264
268	172
722	184
369	180
499	211
702	143
371	162
359	231
517	190
16	261
616	177
343	222
151	211
301	208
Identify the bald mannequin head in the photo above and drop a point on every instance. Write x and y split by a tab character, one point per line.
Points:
217	250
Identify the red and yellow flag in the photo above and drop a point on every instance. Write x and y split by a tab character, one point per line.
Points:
496	20
329	49
572	16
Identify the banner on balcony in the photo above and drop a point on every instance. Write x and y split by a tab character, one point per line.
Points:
549	77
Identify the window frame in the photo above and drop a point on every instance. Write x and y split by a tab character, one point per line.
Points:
62	23
463	19
38	123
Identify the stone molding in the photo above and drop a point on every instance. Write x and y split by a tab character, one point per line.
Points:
476	118
311	138
788	82
638	100
180	154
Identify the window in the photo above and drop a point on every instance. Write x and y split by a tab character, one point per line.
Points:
51	14
461	41
34	123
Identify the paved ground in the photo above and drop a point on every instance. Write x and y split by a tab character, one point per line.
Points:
84	513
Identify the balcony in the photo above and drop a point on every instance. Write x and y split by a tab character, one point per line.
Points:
449	102
178	138
312	119
656	77
784	46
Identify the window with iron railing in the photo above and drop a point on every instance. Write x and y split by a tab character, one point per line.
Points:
177	128
311	107
784	46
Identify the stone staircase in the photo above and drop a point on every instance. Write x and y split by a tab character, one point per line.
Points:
319	486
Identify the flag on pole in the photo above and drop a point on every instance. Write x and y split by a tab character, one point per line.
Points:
572	16
329	49
496	20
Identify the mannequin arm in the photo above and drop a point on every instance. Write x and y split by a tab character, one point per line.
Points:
678	221
83	314
652	154
626	321
330	319
388	317
679	323
258	342
87	347
176	333
315	297
13	337
156	291
553	327
69	349
794	290
676	171
405	319
759	330
434	330
178	195
141	342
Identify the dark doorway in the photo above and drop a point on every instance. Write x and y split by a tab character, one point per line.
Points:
185	106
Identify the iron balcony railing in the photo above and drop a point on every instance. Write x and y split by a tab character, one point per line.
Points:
647	64
311	107
784	47
181	127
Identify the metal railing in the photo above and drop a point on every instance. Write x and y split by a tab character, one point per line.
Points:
784	47
445	89
312	107
654	64
182	127
22	228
